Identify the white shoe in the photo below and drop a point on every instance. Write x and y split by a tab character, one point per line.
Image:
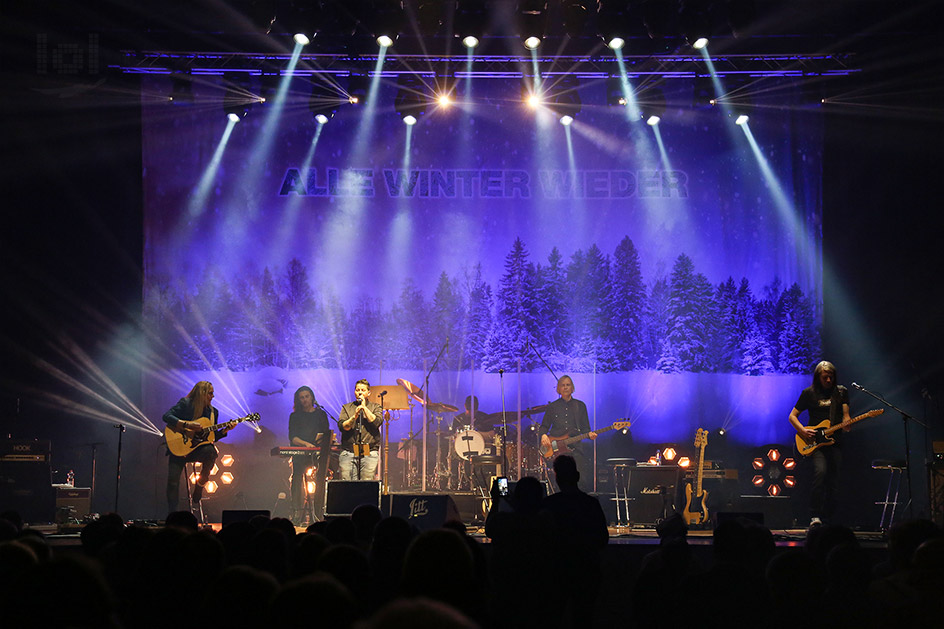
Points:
815	522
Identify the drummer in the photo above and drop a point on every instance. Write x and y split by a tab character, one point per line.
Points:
473	417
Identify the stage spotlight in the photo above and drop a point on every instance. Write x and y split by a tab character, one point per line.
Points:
324	102
444	100
227	478
685	462
564	100
238	98
533	100
358	86
615	95
227	460
696	27
181	88
566	120
651	104
741	119
616	43
411	100
532	22
470	21
385	20
301	39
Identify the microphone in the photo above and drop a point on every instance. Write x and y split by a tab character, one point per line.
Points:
383	393
856	385
501	371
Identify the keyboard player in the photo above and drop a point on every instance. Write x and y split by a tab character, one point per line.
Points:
308	428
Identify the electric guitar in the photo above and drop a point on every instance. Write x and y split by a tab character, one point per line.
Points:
559	445
182	442
696	502
821	438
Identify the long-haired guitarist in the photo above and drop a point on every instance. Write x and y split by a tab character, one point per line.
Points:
182	418
823	401
567	416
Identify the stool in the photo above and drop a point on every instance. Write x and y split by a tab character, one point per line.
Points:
890	501
622	472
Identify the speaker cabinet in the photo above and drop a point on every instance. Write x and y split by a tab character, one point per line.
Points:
343	496
26	487
652	493
425	511
777	510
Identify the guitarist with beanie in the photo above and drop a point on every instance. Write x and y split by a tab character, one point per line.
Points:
567	416
823	401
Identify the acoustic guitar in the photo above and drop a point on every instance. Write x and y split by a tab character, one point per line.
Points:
696	501
560	445
823	432
182	442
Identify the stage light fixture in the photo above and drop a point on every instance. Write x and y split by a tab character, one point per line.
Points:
324	101
684	462
564	99
741	119
532	22
211	487
358	86
301	39
471	18
773	470
385	19
181	88
669	453
566	120
615	94
227	478
651	102
616	43
227	460
693	15
411	100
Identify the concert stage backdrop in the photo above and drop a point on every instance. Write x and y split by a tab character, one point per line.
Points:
680	287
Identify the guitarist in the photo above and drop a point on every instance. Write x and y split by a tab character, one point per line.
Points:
825	400
181	417
564	417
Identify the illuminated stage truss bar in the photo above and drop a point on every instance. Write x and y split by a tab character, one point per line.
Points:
488	67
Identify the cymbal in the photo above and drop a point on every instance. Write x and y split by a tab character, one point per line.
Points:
441	407
414	391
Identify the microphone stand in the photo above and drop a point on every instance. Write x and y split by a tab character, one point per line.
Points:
426	408
121	432
386	444
316	510
904	424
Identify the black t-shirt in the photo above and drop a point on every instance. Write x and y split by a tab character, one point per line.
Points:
307	425
819	405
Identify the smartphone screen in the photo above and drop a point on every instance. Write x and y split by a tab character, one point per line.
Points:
502	486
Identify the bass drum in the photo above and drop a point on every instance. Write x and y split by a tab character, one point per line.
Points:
469	443
531	464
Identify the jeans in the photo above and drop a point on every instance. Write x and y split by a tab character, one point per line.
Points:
368	465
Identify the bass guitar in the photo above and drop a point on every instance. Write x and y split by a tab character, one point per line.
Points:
183	442
823	432
560	445
696	501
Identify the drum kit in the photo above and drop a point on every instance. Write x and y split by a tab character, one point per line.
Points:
461	456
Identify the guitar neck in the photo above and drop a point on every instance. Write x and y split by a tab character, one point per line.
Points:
851	421
701	470
576	438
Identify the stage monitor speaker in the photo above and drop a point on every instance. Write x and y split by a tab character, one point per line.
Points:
724	516
343	496
425	511
777	510
231	516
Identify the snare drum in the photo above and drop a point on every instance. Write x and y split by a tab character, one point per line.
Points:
469	443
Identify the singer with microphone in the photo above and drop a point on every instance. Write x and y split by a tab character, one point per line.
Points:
824	400
360	422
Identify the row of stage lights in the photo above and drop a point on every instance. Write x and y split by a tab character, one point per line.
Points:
414	97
